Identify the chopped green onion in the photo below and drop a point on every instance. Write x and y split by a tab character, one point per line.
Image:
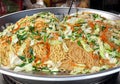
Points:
23	58
79	43
22	37
31	51
45	69
103	27
22	65
31	29
35	68
45	38
31	59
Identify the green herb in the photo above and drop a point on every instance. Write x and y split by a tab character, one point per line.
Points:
50	28
44	30
21	29
35	33
117	62
96	26
75	34
52	20
102	69
63	36
54	72
81	34
73	38
35	68
31	51
31	29
22	37
95	16
23	58
32	56
97	35
114	53
96	48
45	38
39	38
76	28
93	41
45	69
31	59
103	27
43	14
79	43
115	37
22	65
88	35
81	21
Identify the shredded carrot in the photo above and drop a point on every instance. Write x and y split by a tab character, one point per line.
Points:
102	61
99	22
104	37
71	26
16	28
91	24
5	43
96	57
72	63
48	53
111	44
10	39
63	27
119	49
47	46
37	37
77	25
36	58
5	39
56	35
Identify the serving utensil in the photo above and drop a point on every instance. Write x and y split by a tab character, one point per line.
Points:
70	6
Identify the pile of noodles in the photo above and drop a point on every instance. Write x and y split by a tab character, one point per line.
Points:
82	43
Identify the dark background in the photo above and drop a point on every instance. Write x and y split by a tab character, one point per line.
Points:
106	5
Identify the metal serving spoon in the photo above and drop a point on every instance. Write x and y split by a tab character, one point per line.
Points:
61	16
71	6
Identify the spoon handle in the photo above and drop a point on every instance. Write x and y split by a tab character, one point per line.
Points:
70	6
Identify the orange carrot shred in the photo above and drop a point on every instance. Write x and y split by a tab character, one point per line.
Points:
16	28
91	24
47	46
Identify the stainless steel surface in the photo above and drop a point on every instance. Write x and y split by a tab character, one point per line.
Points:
11	18
115	80
2	80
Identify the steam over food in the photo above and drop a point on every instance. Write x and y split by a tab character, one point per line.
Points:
79	44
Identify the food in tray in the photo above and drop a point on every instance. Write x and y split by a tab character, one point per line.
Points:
79	44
